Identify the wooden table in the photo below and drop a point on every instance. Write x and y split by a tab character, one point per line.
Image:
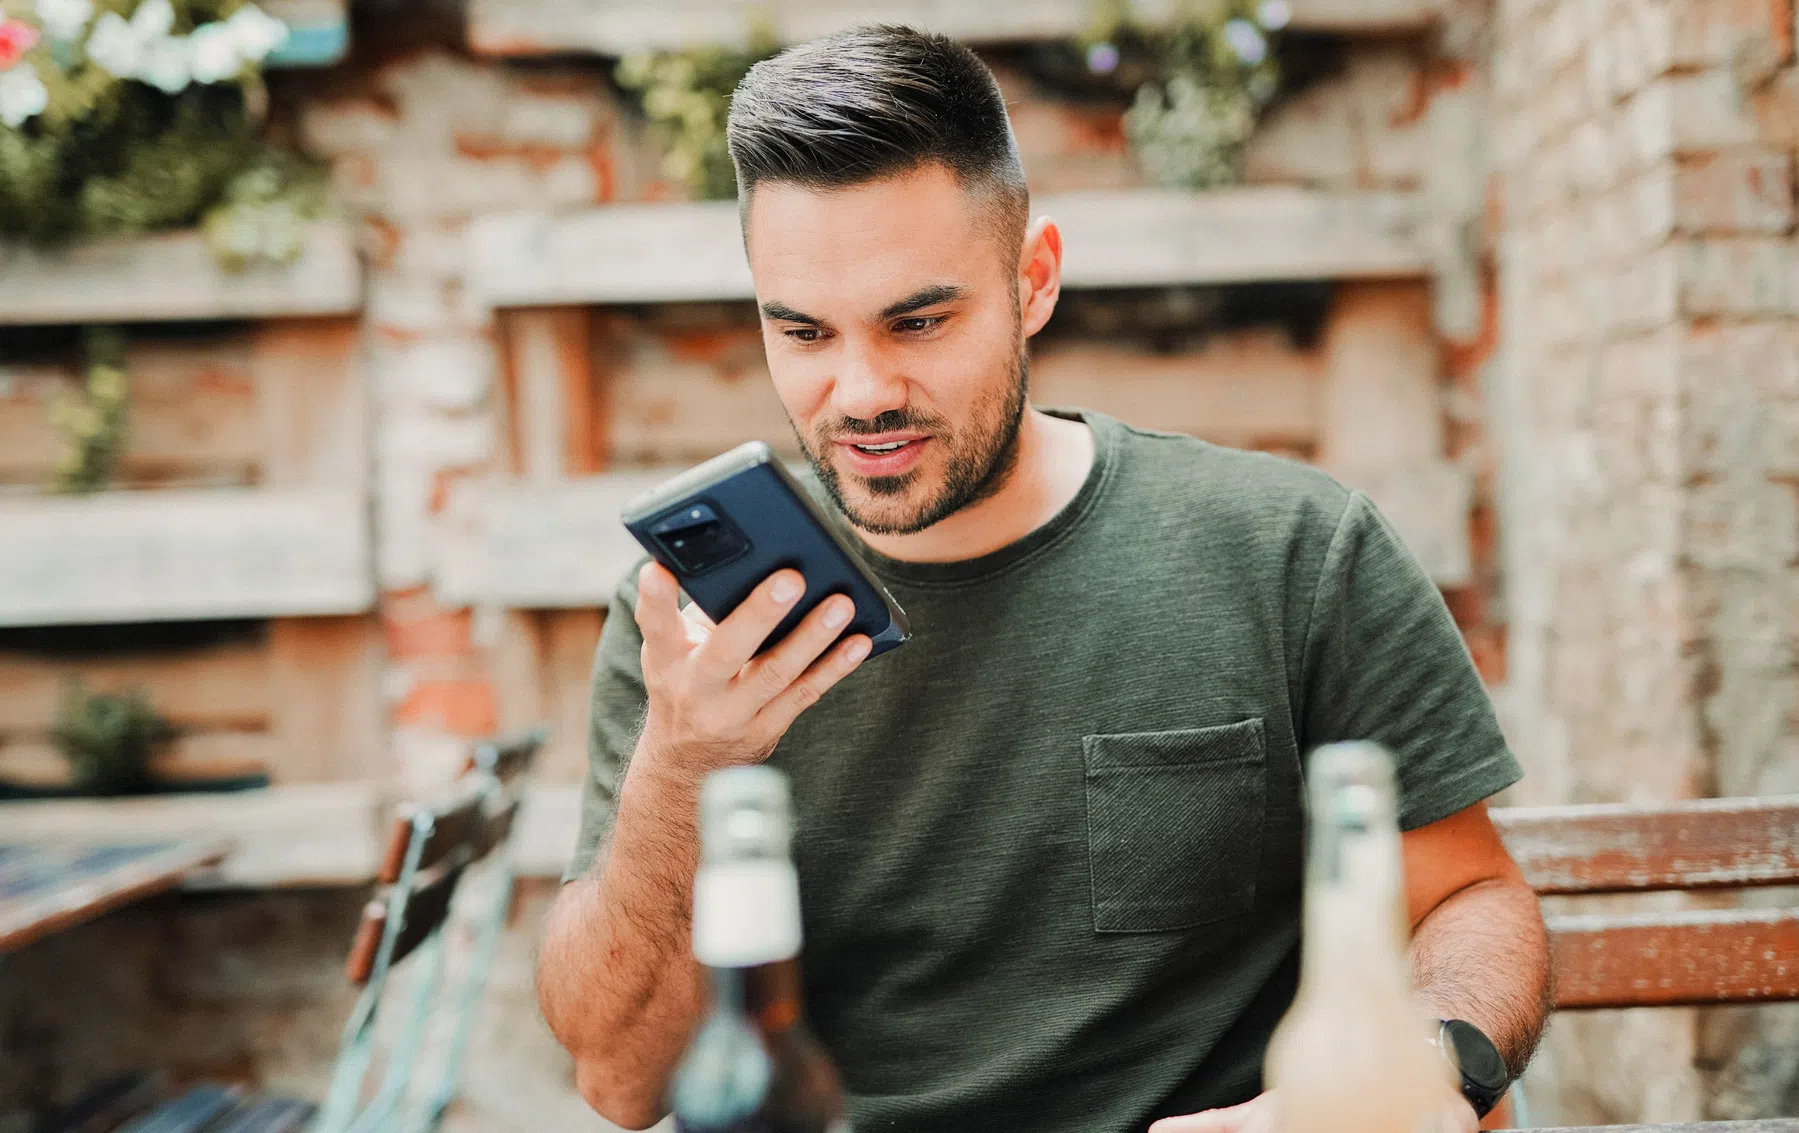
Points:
47	887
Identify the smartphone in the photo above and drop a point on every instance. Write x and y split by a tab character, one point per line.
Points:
725	525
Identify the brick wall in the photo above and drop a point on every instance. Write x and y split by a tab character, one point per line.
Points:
1648	397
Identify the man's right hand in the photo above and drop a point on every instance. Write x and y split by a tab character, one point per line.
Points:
712	701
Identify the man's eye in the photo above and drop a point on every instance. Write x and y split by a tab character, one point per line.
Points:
803	334
918	324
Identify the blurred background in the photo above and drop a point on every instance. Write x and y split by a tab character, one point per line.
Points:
333	332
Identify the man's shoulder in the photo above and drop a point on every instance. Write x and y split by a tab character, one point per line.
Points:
1175	474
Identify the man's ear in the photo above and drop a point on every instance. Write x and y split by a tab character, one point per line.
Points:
1039	274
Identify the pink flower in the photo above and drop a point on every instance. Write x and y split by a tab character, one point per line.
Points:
16	38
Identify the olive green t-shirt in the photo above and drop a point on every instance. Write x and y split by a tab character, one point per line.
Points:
1050	850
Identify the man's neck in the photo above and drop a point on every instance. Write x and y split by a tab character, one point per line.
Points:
1054	456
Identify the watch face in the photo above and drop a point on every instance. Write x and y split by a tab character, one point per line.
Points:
1476	1055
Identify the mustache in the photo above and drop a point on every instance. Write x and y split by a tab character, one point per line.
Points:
892	421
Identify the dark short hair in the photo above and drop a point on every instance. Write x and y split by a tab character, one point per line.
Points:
871	102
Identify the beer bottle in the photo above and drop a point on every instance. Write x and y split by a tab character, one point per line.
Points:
752	1067
1354	1053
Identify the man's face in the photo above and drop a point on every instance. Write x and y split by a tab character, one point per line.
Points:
890	314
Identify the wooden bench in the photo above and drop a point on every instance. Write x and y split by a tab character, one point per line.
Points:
1686	957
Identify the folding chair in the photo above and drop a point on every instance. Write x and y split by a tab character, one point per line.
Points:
428	851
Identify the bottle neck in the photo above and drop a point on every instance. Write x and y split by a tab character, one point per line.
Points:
767	993
1355	923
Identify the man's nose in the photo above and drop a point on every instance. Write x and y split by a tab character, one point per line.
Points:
866	387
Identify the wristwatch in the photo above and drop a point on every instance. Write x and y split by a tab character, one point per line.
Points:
1485	1077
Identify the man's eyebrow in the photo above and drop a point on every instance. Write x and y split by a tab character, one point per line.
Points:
922	298
782	313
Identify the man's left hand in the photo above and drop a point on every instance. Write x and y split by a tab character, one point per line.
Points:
1260	1115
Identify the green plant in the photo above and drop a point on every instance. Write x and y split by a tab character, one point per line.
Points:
1216	71
95	422
109	739
122	116
686	96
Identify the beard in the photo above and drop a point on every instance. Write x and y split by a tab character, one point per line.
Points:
980	458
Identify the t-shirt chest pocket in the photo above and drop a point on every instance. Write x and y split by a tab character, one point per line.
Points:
1174	825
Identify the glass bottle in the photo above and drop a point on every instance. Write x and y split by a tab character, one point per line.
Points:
752	1066
1355	1052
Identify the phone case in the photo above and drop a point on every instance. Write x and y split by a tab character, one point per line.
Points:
741	516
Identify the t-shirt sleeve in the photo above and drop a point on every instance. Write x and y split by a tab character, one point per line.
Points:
616	716
1384	661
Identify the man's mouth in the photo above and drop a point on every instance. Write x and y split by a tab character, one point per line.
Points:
883	455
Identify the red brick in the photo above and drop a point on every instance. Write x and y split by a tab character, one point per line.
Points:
464	707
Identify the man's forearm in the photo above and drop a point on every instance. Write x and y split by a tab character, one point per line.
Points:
617	980
1482	955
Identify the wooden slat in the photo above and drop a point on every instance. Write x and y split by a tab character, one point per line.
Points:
314	834
554	423
1676	959
188	758
570	638
1703	844
533	547
547	827
535	27
45	889
1249	390
218	686
312	402
659	253
328	718
174	276
201	427
159	556
455	829
426	909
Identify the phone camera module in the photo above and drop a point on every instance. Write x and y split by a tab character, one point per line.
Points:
698	539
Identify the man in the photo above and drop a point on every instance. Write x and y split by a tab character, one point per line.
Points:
1050	850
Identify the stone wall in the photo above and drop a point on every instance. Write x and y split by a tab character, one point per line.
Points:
1648	403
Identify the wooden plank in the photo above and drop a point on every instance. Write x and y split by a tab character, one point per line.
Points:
1627	848
192	415
539	547
311	834
1248	390
546	830
536	27
158	556
45	889
570	639
659	253
1382	415
327	718
553	399
223	686
312	402
318	33
194	756
1675	959
174	276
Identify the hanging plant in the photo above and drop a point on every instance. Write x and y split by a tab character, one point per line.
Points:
125	116
94	422
1215	73
686	96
